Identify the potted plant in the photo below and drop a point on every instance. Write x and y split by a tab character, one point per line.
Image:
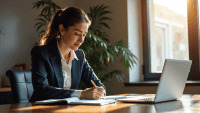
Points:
49	8
97	47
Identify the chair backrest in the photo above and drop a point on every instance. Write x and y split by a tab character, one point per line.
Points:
21	85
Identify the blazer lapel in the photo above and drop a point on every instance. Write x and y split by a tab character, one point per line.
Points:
75	73
58	70
56	63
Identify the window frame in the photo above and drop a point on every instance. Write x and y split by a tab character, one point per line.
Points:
193	40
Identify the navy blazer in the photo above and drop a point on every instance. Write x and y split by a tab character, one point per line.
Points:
47	73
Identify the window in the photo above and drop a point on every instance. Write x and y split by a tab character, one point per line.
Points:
168	32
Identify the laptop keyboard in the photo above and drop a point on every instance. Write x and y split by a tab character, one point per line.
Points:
147	99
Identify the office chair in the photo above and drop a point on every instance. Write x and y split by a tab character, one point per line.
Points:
21	85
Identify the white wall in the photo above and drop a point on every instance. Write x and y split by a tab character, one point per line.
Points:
17	17
135	38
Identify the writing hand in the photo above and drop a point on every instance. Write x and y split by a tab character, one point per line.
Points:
92	93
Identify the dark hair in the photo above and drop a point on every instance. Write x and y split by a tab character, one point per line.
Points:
68	17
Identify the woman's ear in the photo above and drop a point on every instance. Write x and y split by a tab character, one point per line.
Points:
61	29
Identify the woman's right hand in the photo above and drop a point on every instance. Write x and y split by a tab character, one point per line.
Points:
92	93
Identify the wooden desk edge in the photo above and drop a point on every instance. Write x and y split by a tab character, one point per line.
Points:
5	89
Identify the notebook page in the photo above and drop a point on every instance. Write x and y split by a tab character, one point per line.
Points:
48	101
93	102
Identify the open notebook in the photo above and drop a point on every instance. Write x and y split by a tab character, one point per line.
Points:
76	100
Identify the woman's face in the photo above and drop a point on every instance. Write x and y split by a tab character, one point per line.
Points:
74	36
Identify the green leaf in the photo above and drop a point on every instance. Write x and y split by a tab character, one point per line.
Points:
45	16
101	58
41	20
39	23
39	27
104	24
54	8
103	13
44	10
100	8
43	4
103	8
35	4
42	32
116	49
39	4
91	13
49	11
104	18
107	40
95	12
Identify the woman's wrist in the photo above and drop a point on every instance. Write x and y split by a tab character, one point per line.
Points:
81	96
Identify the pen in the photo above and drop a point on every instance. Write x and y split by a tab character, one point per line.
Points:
95	86
93	83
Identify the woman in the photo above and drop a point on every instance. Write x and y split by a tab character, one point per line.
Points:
58	65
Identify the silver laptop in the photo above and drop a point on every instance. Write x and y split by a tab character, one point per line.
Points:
172	82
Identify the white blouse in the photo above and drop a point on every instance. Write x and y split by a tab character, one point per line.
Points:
66	69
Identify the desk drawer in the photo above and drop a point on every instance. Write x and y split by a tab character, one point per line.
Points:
2	98
6	98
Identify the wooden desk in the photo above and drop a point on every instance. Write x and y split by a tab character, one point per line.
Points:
5	89
188	104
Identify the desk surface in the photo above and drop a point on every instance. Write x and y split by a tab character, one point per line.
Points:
5	89
187	104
